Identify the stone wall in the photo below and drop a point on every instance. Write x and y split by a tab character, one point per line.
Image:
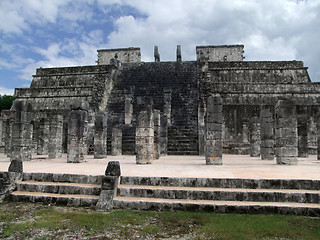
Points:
124	55
220	53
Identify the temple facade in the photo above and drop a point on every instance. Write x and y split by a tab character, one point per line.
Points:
214	105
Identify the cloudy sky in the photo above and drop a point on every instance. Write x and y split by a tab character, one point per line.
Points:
52	33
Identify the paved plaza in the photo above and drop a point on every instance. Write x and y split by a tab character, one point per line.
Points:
234	166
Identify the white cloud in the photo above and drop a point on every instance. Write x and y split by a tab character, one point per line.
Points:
270	30
6	91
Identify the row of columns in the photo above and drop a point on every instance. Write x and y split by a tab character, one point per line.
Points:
272	135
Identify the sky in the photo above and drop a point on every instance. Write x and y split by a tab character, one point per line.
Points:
62	33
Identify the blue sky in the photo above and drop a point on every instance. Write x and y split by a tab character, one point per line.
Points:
52	33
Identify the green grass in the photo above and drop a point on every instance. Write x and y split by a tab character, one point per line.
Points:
36	221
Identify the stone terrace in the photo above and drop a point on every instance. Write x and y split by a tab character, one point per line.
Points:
235	166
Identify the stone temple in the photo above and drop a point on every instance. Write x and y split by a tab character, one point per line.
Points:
214	105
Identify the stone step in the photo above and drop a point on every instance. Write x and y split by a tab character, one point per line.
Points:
58	199
176	152
304	184
225	194
59	187
156	204
63	178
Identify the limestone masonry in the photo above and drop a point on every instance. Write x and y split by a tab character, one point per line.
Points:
214	105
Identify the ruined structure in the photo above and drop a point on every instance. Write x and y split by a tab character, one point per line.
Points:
100	109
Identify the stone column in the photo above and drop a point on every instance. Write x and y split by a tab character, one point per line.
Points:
201	127
10	117
43	136
245	131
213	149
266	133
76	135
312	136
255	140
164	134
317	119
116	142
100	136
167	105
286	136
21	133
145	136
157	137
55	136
302	121
128	109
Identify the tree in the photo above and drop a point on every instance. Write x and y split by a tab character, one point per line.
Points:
6	102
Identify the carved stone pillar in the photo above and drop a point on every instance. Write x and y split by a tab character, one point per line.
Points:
100	136
145	136
55	136
302	121
157	137
266	133
116	143
43	136
255	140
76	135
286	135
213	149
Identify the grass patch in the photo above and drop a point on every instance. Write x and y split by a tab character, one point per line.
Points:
36	221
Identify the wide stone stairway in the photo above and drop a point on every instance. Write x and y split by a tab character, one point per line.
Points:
301	197
60	189
219	195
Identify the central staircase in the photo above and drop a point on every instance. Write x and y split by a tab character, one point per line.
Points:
300	197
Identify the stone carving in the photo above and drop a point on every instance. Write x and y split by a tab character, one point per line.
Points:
145	136
286	135
213	148
178	53
156	54
77	133
100	136
267	134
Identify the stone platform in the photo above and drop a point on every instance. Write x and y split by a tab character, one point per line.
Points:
234	166
242	184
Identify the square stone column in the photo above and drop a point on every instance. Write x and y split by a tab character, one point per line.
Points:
213	136
255	140
22	131
76	135
164	134
43	136
312	136
55	136
317	120
116	142
9	118
157	136
100	136
302	121
145	136
267	134
286	135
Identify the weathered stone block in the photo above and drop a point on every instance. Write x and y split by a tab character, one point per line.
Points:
113	169
77	135
16	166
116	143
110	182
100	136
